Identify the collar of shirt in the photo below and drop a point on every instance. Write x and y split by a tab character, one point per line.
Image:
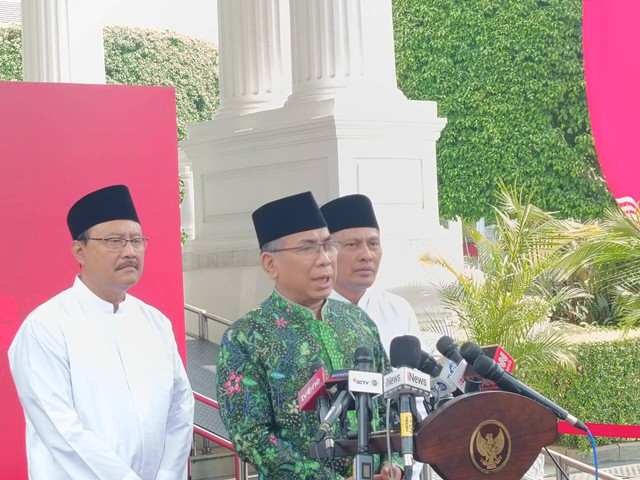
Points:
279	303
94	301
362	303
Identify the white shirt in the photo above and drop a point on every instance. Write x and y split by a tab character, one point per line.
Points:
105	395
394	316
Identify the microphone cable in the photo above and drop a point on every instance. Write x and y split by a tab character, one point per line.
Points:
564	474
595	454
595	457
392	467
322	466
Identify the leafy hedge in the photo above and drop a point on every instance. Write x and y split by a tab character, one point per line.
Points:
10	53
508	75
135	56
604	389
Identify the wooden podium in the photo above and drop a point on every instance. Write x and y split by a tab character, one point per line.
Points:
475	436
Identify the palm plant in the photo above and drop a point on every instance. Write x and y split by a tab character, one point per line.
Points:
612	251
514	300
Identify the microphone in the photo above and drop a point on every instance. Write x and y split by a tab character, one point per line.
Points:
500	356
497	353
488	368
449	349
363	360
340	405
405	352
314	395
337	380
447	374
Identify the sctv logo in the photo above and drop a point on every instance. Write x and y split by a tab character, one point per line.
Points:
360	382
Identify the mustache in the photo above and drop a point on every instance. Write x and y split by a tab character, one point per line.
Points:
127	264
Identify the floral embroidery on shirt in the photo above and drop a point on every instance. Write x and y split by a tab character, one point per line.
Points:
233	384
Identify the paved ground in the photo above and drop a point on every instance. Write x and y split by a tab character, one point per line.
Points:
594	334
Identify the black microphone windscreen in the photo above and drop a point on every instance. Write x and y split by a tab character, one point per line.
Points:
485	367
448	347
363	356
405	351
429	365
470	351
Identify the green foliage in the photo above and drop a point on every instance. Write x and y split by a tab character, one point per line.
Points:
10	53
611	253
184	236
508	75
135	56
182	189
603	389
515	300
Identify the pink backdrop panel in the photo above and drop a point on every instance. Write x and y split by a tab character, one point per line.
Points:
57	143
611	37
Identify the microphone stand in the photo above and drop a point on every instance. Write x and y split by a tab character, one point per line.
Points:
363	461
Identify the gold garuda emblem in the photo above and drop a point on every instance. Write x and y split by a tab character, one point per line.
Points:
490	446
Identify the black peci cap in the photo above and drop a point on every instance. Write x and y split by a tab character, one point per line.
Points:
109	203
285	216
350	211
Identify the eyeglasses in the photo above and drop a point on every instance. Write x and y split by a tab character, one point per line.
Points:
331	248
139	244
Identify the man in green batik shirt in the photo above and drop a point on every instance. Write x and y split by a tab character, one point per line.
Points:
266	357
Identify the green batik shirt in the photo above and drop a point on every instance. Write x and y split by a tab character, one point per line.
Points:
265	358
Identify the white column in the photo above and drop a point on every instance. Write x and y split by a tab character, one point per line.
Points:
62	42
340	47
255	72
187	208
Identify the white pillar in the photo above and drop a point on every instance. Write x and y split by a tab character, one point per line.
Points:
187	208
345	128
255	72
62	42
342	47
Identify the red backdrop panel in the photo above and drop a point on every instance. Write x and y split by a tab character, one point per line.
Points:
611	37
57	143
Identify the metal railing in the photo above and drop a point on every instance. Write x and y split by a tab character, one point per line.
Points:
566	462
242	470
203	317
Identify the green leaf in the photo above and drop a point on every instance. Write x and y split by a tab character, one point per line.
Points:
248	382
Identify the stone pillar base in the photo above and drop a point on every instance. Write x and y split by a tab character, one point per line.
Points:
332	148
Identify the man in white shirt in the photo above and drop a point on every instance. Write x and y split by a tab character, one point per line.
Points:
104	391
353	223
